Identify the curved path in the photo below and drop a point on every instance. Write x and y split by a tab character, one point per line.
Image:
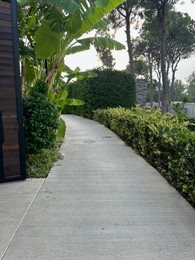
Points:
104	202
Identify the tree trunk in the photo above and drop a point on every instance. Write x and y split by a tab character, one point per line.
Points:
172	84
151	81
159	94
50	77
130	52
174	69
130	49
165	98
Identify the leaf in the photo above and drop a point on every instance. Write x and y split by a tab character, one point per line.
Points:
26	51
32	21
100	25
69	6
64	95
67	69
102	3
102	42
76	49
30	73
73	23
47	41
51	95
74	102
95	14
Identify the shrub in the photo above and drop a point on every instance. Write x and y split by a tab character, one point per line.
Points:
39	165
41	119
191	126
161	138
109	89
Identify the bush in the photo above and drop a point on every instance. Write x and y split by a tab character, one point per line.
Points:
41	120
191	126
161	138
109	89
39	165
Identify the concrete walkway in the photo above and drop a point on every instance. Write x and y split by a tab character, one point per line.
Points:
101	202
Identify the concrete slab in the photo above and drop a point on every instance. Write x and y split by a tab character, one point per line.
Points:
15	201
104	202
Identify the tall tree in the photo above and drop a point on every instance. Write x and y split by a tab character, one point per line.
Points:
180	41
147	46
161	8
125	16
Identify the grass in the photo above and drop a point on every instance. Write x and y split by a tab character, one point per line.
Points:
39	165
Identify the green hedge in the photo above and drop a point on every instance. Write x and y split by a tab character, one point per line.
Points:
160	138
109	89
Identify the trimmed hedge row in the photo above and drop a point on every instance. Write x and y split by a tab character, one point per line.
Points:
111	88
164	141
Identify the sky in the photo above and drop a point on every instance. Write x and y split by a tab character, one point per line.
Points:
89	60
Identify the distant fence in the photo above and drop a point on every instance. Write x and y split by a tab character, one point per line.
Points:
189	108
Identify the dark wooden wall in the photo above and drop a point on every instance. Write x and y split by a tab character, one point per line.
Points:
11	130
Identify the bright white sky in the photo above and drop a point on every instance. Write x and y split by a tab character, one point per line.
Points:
89	60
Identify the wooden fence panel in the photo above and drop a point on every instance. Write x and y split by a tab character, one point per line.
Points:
12	157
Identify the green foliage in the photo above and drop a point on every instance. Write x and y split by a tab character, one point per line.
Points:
61	129
39	165
50	30
178	108
59	94
109	89
191	125
191	87
161	138
41	119
177	91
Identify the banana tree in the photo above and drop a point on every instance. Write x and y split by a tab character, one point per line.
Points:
52	29
59	94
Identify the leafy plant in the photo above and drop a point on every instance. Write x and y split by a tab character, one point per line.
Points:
59	94
50	30
179	107
162	139
41	119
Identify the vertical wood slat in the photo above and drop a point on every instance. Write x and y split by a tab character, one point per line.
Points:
1	151
12	164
